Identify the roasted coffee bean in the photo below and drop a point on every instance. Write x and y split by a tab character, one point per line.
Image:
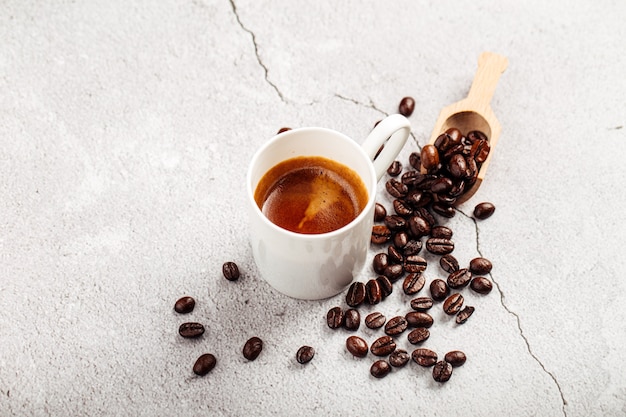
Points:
402	208
334	318
380	368
380	234
439	290
383	346
412	247
457	166
464	314
252	349
351	319
480	266
455	358
422	303
191	330
481	285
472	170
380	262
400	240
419	319
480	150
399	358
396	325
426	215
441	232
439	246
356	294
418	335
484	210
357	346
457	189
418	226
375	320
395	256
396	188
395	168
446	199
413	283
441	185
406	106
443	142
414	264
395	222
380	212
230	271
305	354
430	158
373	294
449	263
442	371
459	279
443	209
424	357
453	304
415	160
411	178
386	287
283	129
455	134
393	272
417	199
204	364
475	135
184	305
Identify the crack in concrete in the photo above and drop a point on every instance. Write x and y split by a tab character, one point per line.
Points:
256	52
517	319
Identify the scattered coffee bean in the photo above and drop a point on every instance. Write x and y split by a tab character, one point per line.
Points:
357	346
305	354
449	263
459	279
373	294
356	294
351	319
383	346
415	160
464	315
252	348
380	212
395	256
455	358
481	285
439	246
443	209
419	319
400	239
484	210
418	335
402	207
413	283
395	222
375	320
386	287
380	368
430	158
399	358
283	129
442	371
380	262
418	226
441	232
453	304
393	272
334	318
424	357
412	247
396	188
230	271
439	290
380	234
414	264
191	330
394	169
396	325
184	305
204	364
480	266
406	106
422	303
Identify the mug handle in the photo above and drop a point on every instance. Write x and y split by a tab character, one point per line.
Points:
396	128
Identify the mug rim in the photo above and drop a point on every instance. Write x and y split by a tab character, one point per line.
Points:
313	236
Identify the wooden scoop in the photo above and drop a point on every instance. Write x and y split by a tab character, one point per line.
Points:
474	112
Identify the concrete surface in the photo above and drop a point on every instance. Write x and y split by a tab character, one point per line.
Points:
126	128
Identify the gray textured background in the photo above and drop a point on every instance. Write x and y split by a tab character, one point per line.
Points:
126	128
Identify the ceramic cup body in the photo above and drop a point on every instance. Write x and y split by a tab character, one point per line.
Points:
316	266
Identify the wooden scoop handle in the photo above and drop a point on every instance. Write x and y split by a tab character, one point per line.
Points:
490	67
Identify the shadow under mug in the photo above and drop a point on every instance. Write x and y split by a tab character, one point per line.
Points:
317	266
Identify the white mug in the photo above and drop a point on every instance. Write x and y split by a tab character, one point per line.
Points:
317	266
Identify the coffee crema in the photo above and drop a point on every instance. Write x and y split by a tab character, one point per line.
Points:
311	195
